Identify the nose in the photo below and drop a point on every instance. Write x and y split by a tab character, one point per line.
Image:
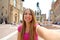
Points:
28	15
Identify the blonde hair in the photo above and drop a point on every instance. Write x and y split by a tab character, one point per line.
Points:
32	30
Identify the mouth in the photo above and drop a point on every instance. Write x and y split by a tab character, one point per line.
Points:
28	18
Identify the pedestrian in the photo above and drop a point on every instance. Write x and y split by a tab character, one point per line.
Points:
29	29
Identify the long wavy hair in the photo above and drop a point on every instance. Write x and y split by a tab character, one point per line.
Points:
32	30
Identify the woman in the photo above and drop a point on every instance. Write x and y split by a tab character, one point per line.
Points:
29	29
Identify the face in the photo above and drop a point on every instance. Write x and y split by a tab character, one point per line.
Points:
27	16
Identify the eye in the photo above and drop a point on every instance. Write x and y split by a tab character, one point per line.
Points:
25	13
30	14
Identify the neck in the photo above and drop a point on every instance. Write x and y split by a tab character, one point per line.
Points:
27	25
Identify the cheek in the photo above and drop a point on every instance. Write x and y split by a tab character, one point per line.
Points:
31	18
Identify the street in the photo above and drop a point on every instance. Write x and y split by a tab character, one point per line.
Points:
9	32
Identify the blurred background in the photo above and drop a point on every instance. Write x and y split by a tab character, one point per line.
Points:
47	14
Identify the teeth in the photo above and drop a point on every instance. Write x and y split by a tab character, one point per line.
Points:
28	18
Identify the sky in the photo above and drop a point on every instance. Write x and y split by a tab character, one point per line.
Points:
45	5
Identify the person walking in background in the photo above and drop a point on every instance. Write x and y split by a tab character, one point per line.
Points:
29	29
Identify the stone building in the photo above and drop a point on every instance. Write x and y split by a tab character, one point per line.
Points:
10	11
56	11
43	17
3	11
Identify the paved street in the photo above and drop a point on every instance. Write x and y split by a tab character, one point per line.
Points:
9	32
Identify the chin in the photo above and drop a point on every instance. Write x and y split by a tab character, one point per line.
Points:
28	21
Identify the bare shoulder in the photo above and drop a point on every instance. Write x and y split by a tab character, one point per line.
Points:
40	27
19	28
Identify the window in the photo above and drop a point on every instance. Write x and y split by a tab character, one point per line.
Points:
2	14
37	13
14	3
37	18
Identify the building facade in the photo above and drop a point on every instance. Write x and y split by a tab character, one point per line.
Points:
3	11
17	9
56	11
43	17
10	11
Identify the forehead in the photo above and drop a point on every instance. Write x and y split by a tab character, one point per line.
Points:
27	11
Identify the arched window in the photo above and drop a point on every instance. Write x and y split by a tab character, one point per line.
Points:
2	14
14	3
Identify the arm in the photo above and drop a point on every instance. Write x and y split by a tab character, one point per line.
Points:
42	31
47	34
19	36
